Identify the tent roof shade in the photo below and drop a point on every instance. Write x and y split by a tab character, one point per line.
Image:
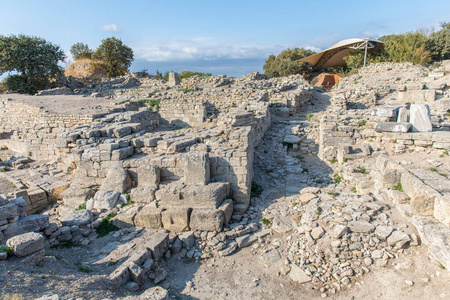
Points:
334	55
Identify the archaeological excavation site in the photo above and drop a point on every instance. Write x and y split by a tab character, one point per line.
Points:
229	188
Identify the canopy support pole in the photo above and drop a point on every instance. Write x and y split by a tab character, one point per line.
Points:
365	52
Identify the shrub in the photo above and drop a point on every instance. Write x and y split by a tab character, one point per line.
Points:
256	190
398	187
85	68
116	56
106	226
286	63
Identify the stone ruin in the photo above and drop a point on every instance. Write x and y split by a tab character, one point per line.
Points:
172	165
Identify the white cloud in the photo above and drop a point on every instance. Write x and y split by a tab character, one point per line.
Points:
155	50
111	28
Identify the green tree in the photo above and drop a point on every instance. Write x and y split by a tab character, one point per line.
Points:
80	51
116	56
406	47
439	43
33	59
286	63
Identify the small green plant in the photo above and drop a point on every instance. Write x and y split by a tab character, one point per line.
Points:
3	148
266	222
362	123
354	189
185	90
442	267
256	190
40	264
4	248
332	193
398	187
319	181
112	263
138	91
443	175
337	178
309	116
155	91
333	161
85	269
106	226
411	150
5	169
300	157
129	202
81	206
152	103
433	169
361	170
445	153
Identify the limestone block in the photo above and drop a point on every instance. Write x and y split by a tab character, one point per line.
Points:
122	153
420	118
298	275
402	115
26	224
149	217
142	194
74	197
176	220
392	127
148	176
158	244
151	142
71	216
8	211
26	244
417	96
442	210
117	179
173	79
207	219
206	196
388	111
126	218
105	199
227	208
197	169
119	277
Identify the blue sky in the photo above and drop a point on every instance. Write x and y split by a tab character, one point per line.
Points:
222	37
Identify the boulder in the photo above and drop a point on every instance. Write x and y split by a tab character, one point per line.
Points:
26	244
70	216
105	199
117	180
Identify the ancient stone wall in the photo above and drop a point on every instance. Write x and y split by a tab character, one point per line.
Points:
35	129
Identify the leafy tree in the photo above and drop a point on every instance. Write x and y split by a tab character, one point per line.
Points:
80	51
406	47
439	43
286	63
116	56
33	58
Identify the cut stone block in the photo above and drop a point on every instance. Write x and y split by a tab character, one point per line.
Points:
197	169
143	194
26	224
148	176
388	111
72	216
158	244
420	118
207	220
149	217
227	208
26	244
392	127
105	199
126	219
119	277
176	220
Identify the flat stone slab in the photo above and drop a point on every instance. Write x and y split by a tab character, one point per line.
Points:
361	226
298	275
26	244
27	224
420	118
388	111
392	127
433	179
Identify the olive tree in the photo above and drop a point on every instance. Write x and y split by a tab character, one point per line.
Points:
33	59
286	63
116	56
80	51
